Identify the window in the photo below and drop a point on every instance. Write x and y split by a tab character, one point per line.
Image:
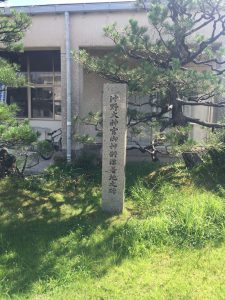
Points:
41	103
19	96
41	99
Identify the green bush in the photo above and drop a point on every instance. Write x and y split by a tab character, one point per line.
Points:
217	157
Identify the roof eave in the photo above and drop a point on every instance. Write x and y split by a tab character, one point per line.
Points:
74	8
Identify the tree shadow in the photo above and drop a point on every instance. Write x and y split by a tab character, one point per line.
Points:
25	245
210	177
40	218
136	171
207	176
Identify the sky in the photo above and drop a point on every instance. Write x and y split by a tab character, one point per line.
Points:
43	2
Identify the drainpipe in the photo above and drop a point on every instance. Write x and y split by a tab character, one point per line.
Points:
68	88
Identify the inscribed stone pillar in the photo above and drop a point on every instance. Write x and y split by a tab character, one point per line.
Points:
114	147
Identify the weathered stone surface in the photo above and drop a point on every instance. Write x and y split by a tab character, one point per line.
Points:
114	147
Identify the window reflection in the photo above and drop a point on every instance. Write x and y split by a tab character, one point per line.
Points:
41	103
41	77
42	70
57	78
57	110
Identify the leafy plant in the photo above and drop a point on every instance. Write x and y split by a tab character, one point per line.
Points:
12	132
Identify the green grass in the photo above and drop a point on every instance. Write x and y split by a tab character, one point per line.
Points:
55	243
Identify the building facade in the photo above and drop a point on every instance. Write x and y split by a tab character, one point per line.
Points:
58	87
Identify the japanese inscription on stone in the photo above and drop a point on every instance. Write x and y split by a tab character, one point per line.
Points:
114	147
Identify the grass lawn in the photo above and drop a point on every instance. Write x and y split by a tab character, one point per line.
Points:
55	243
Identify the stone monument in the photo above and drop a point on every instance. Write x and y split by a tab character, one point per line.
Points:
114	147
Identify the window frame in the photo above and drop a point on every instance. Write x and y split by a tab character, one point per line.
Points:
54	85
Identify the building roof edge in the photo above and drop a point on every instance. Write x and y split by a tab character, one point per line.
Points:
76	7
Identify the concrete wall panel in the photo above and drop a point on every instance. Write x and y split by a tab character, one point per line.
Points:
46	31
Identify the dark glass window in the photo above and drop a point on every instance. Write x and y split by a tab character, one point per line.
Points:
44	61
18	96
57	61
43	64
41	102
57	67
40	61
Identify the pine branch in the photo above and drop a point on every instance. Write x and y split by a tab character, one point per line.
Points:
208	103
205	124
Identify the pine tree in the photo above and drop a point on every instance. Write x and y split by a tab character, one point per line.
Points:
12	132
170	63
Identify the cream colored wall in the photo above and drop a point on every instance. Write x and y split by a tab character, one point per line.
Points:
87	29
46	31
92	94
45	126
92	99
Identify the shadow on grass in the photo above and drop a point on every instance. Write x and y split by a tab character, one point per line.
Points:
136	171
24	246
208	176
49	218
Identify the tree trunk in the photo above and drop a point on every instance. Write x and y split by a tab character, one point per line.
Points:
178	118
